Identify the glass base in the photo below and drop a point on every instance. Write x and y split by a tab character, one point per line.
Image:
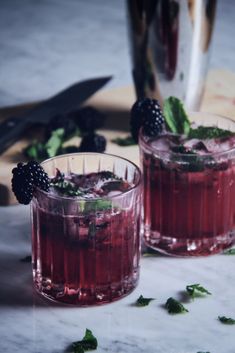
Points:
184	247
95	295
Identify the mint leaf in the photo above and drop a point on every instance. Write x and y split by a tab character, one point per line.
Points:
196	289
88	343
209	132
226	320
141	301
126	141
66	188
229	252
176	118
175	307
55	142
95	205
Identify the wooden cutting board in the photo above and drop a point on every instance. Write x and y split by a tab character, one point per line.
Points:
219	98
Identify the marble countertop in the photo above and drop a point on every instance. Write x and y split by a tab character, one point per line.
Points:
31	325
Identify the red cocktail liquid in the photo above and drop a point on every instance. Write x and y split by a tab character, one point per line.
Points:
85	257
188	212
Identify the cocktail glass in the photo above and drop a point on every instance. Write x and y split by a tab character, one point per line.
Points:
86	251
189	201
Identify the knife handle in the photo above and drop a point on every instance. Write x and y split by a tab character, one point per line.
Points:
10	130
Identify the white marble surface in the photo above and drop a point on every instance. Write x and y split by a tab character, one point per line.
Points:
48	44
30	325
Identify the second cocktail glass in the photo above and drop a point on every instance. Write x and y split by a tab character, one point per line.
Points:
189	199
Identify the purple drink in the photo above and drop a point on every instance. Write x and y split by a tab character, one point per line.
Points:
85	234
189	191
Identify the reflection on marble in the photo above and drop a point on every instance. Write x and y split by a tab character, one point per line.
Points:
30	324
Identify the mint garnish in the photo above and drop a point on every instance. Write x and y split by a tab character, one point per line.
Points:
95	205
226	320
208	132
67	188
175	307
52	147
196	289
126	141
141	301
176	118
229	252
88	343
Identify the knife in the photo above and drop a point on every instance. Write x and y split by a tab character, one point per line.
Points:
65	101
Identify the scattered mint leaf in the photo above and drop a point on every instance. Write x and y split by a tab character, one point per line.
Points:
88	343
226	320
52	147
126	141
174	306
55	142
229	252
196	289
176	118
141	301
209	132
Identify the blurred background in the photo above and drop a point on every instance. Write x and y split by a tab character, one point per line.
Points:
45	45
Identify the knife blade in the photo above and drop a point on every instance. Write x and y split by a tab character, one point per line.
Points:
67	100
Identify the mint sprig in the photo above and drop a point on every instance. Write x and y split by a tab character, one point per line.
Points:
67	188
141	301
208	132
88	343
196	290
52	147
175	116
175	307
226	320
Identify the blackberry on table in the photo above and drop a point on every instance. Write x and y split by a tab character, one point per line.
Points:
147	113
88	119
26	178
93	143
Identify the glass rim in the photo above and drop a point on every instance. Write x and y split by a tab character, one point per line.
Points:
152	149
76	198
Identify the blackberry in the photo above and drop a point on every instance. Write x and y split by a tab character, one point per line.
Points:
26	178
88	119
22	184
93	143
40	177
147	113
61	121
